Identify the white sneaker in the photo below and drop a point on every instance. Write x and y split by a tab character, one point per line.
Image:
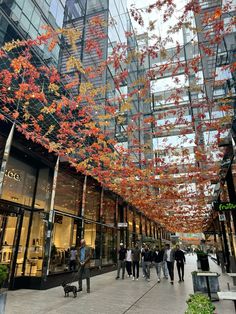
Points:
136	278
133	278
158	280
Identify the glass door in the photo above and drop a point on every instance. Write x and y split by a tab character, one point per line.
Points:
9	226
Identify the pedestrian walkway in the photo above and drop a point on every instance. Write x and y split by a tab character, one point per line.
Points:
110	296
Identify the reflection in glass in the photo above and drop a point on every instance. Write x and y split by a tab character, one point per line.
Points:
64	237
92	200
108	246
68	197
19	182
34	263
92	238
108	210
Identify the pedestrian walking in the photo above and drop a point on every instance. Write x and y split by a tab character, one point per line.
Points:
136	252
157	258
147	259
128	262
180	261
169	257
121	261
84	265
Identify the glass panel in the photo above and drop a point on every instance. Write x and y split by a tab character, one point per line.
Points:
92	201
68	196
92	238
7	234
35	254
108	246
64	237
108	212
25	23
19	182
130	218
22	245
143	220
44	187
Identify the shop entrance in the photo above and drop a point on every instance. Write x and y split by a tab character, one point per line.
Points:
11	219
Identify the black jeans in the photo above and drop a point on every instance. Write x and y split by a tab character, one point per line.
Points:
180	268
136	265
170	266
128	267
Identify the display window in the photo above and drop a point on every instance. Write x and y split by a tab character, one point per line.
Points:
143	222
8	224
35	254
148	228
108	210
109	241
44	189
137	221
19	269
64	237
130	219
68	196
92	200
19	182
92	236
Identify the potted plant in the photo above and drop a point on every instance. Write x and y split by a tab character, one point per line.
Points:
3	291
199	304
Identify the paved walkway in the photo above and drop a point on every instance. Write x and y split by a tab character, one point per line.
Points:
110	296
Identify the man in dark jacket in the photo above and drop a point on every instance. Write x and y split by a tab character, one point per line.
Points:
121	261
147	259
180	260
136	252
157	258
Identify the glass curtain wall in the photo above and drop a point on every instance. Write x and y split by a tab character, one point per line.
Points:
67	205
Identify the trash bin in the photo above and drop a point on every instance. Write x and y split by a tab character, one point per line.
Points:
200	283
202	262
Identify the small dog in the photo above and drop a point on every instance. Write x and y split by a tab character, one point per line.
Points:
67	289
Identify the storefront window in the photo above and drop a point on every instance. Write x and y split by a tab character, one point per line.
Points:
8	222
92	235
44	187
92	200
108	246
19	182
137	223
22	245
108	210
148	228
130	219
68	197
34	263
64	237
143	221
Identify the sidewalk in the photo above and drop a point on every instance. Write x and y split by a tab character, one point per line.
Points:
110	296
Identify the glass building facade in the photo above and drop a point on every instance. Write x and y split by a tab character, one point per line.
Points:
46	207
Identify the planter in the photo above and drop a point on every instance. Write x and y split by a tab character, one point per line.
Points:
3	299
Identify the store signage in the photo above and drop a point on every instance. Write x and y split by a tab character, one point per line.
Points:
13	175
122	224
222	217
226	206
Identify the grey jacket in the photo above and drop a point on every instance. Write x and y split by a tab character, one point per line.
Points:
172	255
